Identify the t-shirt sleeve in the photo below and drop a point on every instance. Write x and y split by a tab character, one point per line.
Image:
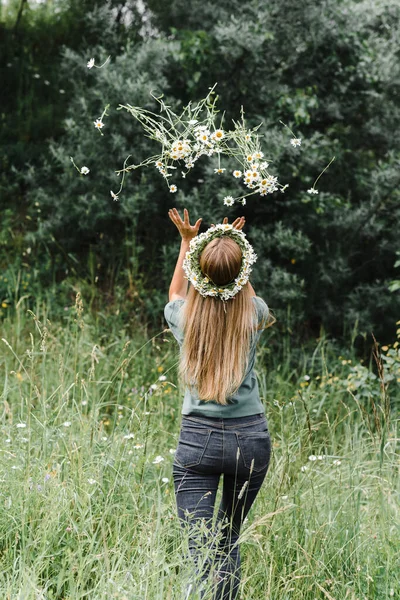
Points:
262	312
172	313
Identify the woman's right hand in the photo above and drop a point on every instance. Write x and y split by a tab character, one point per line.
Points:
238	223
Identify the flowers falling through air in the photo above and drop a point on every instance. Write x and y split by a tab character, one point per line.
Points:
199	132
186	138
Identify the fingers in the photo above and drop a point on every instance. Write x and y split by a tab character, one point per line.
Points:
239	223
185	216
225	220
197	224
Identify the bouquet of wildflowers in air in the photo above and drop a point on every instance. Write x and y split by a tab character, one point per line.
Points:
193	134
185	138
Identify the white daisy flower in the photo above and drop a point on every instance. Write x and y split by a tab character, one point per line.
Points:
92	481
153	386
158	460
172	451
162	378
303	468
312	191
218	134
237	174
337	462
21	425
165	480
85	170
98	123
229	201
172	189
219	171
306	377
113	196
295	142
243	201
312	457
90	63
67	424
129	436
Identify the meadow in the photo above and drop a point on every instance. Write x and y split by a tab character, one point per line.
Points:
90	414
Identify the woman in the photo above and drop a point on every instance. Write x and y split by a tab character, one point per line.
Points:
217	323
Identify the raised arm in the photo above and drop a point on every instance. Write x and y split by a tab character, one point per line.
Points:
179	285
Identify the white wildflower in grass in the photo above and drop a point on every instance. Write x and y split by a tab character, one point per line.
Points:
129	436
229	200
85	170
153	387
162	378
172	450
138	446
98	123
312	457
219	171
307	378
303	468
172	188
113	196
337	463
158	460
21	425
67	424
295	142
237	174
284	497
92	481
90	63
165	480
312	191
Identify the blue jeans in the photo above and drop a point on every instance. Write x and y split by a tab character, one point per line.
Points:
240	449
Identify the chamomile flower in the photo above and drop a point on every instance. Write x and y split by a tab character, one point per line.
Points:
219	171
243	201
172	188
113	196
229	200
85	170
90	64
295	142
237	174
98	123
218	135
158	460
312	191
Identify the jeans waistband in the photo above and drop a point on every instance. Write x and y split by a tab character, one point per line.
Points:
221	423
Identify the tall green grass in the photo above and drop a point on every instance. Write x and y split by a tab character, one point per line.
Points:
87	438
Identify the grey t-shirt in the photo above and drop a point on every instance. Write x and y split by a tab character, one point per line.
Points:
246	401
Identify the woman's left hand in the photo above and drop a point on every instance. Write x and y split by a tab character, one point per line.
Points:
187	231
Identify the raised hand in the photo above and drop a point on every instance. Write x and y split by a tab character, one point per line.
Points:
238	223
187	231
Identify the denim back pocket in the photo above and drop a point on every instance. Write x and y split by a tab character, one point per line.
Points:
191	446
255	446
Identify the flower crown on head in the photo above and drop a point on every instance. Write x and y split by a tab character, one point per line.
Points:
202	283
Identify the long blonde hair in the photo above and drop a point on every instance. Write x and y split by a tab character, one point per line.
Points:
217	334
